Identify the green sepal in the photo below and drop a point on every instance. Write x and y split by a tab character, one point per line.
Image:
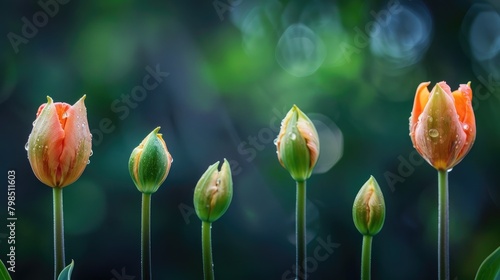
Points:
490	268
66	272
296	157
4	274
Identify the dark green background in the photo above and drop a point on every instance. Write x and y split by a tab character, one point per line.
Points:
226	87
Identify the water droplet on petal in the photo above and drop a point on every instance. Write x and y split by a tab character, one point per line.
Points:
88	161
292	136
275	141
449	170
91	153
433	133
34	122
466	127
429	119
26	146
65	115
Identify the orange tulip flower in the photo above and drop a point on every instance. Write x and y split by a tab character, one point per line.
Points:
442	124
59	145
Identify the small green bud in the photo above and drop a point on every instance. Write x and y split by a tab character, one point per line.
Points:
150	163
368	211
298	144
213	192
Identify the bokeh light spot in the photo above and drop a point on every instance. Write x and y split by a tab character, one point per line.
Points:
331	142
403	36
300	51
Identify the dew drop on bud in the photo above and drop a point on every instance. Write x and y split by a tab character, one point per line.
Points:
433	133
26	146
275	141
466	127
65	115
292	136
88	161
34	122
91	153
429	119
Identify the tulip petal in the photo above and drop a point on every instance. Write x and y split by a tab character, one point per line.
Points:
442	125
76	147
463	103
45	144
421	98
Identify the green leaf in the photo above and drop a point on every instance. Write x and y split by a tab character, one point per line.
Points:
4	274
490	268
66	272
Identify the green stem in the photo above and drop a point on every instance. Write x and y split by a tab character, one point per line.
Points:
443	227
58	231
366	257
206	240
300	215
146	237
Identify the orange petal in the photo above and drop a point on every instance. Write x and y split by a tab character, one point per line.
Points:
45	144
421	99
76	148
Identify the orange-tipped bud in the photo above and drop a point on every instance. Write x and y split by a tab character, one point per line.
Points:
368	210
150	163
298	144
213	192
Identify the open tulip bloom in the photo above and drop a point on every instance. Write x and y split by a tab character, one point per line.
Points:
443	129
59	148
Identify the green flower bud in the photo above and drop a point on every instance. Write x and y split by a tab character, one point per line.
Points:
150	163
213	192
368	211
298	144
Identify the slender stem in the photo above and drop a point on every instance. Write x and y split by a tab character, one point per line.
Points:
443	227
206	240
146	237
366	257
300	216
59	263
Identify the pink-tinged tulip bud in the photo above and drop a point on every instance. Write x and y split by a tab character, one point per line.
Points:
213	192
368	210
150	163
442	124
60	143
297	144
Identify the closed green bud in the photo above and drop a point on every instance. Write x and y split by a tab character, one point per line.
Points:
368	211
150	163
213	192
298	144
